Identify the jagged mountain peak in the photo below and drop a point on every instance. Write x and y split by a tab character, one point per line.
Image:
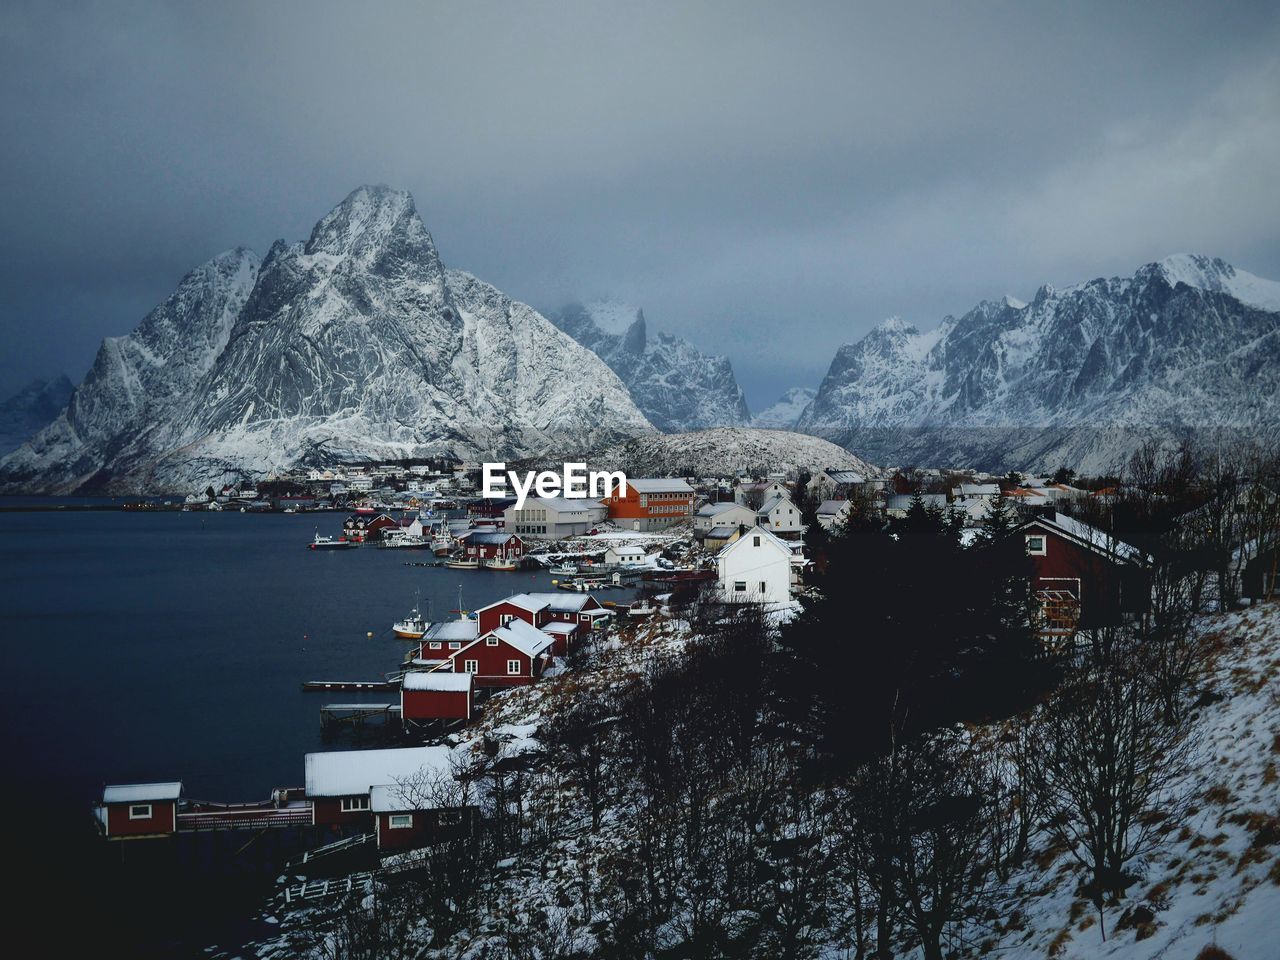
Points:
676	386
380	227
1078	376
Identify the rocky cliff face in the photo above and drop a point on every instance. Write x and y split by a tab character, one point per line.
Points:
1078	376
677	387
786	412
357	344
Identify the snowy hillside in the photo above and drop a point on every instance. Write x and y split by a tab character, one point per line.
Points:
1078	376
357	344
784	414
675	385
32	409
725	450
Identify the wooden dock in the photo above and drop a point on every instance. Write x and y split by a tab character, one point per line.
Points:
357	715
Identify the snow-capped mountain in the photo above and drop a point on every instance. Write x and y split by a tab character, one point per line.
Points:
1078	376
31	409
784	414
676	386
357	344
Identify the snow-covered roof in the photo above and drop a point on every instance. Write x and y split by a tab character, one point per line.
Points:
845	476
979	489
556	627
659	485
563	602
712	509
437	680
462	629
141	792
832	508
478	536
746	538
563	504
525	601
721	533
348	773
774	502
628	551
1099	539
525	637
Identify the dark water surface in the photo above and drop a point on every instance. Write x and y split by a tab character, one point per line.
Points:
172	646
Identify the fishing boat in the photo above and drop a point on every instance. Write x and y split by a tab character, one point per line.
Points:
331	543
441	546
641	609
500	563
404	542
412	627
463	563
564	570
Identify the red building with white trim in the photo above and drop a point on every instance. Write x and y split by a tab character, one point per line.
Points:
513	655
135	810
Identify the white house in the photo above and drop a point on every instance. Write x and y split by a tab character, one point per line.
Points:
832	512
555	517
779	515
973	491
626	556
748	492
755	568
712	515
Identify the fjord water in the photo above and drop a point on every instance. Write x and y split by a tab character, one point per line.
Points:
171	646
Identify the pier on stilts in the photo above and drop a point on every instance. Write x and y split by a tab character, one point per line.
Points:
357	716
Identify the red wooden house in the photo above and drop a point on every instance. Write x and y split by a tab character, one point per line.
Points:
491	545
1084	577
407	819
436	695
508	656
442	638
338	783
136	810
531	608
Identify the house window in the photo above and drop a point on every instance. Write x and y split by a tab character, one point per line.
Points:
755	541
472	666
740	586
764	587
354	804
455	644
513	667
434	645
506	618
584	618
449	818
400	821
491	642
140	811
1036	546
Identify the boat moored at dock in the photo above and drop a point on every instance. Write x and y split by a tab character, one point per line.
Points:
331	543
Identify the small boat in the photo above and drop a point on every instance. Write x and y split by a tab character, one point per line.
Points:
403	542
463	563
412	627
501	563
564	570
641	608
329	543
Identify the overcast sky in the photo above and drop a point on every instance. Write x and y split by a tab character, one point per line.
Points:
768	180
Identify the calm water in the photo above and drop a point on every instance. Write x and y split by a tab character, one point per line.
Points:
172	646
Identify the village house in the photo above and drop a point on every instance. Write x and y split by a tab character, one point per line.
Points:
626	556
754	494
651	504
507	656
339	783
565	617
433	696
712	515
717	538
492	544
781	517
446	636
409	817
533	609
135	810
756	567
832	513
555	517
984	491
837	484
1084	578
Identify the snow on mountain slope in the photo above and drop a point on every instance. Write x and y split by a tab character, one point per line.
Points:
1078	376
1216	878
357	344
784	414
31	409
724	450
677	387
